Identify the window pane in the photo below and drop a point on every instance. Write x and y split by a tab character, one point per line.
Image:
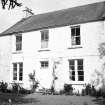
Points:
80	70
19	38
14	65
80	73
20	71
80	78
18	46
77	31
44	64
73	40
20	78
15	78
72	67
44	44
46	36
71	62
73	78
77	40
73	72
80	62
73	31
80	67
42	35
14	71
20	65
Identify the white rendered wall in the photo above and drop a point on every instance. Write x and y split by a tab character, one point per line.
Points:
92	34
5	58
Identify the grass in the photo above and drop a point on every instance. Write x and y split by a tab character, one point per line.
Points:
37	99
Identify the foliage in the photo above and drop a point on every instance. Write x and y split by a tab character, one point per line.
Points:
3	86
15	87
33	80
10	3
61	92
89	90
24	91
83	92
99	81
68	89
52	90
101	50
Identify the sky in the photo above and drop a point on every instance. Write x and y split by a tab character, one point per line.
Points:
10	17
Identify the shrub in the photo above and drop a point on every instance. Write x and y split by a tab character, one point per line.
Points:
98	93
3	86
83	92
24	91
103	91
93	91
88	89
33	80
68	89
61	92
15	87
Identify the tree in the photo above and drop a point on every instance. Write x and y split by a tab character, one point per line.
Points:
100	76
33	80
99	81
102	50
10	3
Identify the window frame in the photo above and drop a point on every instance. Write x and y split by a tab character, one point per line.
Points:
18	46
44	39
44	64
19	71
75	36
78	77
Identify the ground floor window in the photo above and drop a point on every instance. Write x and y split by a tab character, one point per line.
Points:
44	64
76	69
18	71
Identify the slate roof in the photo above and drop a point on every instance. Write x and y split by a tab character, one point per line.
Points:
71	16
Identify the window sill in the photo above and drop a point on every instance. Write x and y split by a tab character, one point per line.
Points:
75	47
15	81
41	50
17	52
78	83
43	67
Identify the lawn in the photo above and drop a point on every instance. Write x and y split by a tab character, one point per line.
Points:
37	99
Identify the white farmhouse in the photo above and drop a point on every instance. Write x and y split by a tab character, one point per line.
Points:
63	43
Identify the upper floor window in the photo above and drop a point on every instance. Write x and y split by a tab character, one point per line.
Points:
76	69
18	42
44	64
44	38
18	71
75	35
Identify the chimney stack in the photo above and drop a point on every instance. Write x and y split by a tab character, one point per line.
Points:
27	12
